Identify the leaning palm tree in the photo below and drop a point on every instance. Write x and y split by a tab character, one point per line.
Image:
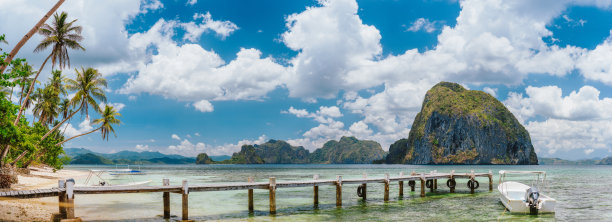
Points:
89	89
88	86
64	108
61	35
107	120
47	105
28	35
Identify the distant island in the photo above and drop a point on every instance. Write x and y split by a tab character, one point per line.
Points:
558	161
85	156
349	150
460	126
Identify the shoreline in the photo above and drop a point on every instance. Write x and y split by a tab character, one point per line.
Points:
38	209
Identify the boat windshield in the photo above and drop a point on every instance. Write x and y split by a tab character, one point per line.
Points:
536	179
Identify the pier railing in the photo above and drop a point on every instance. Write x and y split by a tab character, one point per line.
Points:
66	189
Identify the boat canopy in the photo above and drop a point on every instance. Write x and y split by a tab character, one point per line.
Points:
501	172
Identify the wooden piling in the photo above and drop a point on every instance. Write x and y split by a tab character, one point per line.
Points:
365	187
338	191
250	192
166	197
490	181
316	191
472	179
70	198
422	186
185	200
401	185
412	187
272	188
62	199
452	189
386	198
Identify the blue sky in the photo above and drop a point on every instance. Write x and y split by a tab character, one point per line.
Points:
213	75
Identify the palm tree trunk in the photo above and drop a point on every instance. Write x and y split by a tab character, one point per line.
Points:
60	143
31	160
30	90
29	35
4	153
19	158
58	125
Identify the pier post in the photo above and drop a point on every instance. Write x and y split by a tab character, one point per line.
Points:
365	187
490	181
422	185
386	198
338	191
251	207
413	182
70	198
472	179
62	199
452	175
272	188
435	181
316	191
185	200
401	185
166	197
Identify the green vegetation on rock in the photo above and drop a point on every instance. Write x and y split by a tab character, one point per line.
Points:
460	126
203	159
348	150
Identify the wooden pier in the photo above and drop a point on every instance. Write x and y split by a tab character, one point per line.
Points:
66	189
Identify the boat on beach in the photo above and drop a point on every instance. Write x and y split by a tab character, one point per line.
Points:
521	198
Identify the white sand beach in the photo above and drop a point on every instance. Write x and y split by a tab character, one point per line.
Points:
38	209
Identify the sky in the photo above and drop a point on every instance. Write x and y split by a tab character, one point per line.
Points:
192	76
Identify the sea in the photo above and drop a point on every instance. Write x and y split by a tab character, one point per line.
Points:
583	193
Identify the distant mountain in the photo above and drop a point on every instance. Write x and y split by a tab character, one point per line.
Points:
558	161
90	158
220	158
348	150
605	161
85	156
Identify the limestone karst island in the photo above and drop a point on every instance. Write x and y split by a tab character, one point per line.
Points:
324	110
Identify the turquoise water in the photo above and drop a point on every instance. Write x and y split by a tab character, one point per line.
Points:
583	193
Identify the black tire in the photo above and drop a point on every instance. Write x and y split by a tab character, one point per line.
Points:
451	183
473	184
411	183
360	191
429	183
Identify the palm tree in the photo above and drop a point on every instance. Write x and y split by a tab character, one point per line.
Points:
27	36
88	86
61	36
107	120
57	82
47	106
64	108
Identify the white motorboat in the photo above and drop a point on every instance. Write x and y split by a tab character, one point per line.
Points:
89	181
520	198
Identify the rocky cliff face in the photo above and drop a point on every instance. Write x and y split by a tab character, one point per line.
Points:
459	126
278	151
203	158
348	150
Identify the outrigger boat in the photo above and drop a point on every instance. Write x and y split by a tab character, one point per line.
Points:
521	198
114	172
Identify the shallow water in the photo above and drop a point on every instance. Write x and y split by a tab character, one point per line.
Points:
583	193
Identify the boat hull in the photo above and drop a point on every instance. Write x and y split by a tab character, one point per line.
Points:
512	196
